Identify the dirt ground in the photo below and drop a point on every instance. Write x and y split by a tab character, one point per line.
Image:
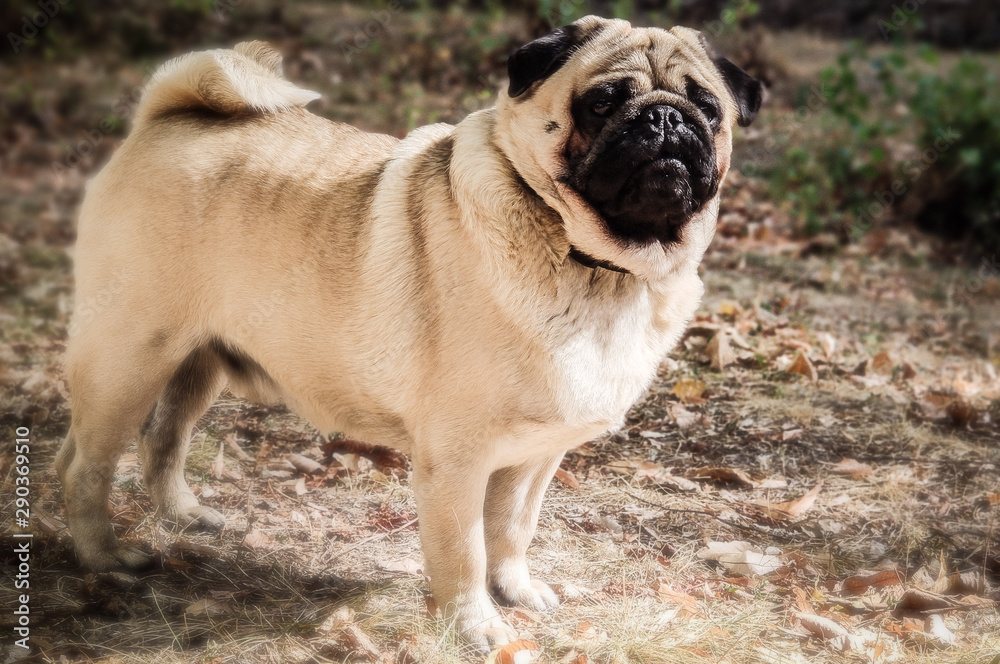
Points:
813	477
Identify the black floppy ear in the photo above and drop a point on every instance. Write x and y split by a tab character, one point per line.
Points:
746	90
539	59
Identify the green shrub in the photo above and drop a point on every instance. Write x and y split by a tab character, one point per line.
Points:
898	140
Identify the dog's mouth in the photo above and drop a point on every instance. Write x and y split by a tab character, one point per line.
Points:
650	172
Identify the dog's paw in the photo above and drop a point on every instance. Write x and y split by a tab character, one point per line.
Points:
484	635
196	517
534	595
121	558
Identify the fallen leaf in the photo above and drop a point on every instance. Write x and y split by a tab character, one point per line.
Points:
922	579
932	407
431	606
570	591
828	343
801	365
673	597
650	470
207	607
790	434
972	582
219	469
741	558
525	615
793	509
720	354
751	563
689	390
404	566
183	546
724	475
802	600
701	329
304	464
605	522
852	467
49	523
859	583
668	616
938	632
655	473
300	487
621	466
916	601
361	643
258	539
730	309
682	417
573	657
350	461
882	363
567	478
517	652
962	413
585	631
837	636
235	447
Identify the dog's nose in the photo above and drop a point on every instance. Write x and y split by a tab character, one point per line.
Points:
661	117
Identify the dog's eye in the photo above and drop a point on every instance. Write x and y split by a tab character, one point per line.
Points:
706	103
710	112
602	108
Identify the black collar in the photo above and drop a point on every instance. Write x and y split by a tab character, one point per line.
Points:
594	263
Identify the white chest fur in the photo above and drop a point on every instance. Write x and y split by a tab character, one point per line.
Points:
608	346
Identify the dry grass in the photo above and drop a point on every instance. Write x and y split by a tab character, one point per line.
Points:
621	550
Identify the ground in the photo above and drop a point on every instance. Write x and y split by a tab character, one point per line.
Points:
811	478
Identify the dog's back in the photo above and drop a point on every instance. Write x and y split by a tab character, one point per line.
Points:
209	180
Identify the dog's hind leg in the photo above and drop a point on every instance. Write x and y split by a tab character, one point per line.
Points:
513	499
166	434
115	376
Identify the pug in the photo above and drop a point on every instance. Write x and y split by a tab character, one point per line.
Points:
482	297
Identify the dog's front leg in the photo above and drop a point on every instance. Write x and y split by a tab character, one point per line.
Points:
450	496
513	498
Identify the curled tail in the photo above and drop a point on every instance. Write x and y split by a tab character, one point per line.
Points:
244	80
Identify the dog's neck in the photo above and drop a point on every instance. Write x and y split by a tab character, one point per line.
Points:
574	254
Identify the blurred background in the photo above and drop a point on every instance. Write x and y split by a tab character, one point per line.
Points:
880	114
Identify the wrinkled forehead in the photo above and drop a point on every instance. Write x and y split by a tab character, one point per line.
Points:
656	59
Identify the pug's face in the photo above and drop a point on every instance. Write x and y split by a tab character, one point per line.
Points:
628	131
